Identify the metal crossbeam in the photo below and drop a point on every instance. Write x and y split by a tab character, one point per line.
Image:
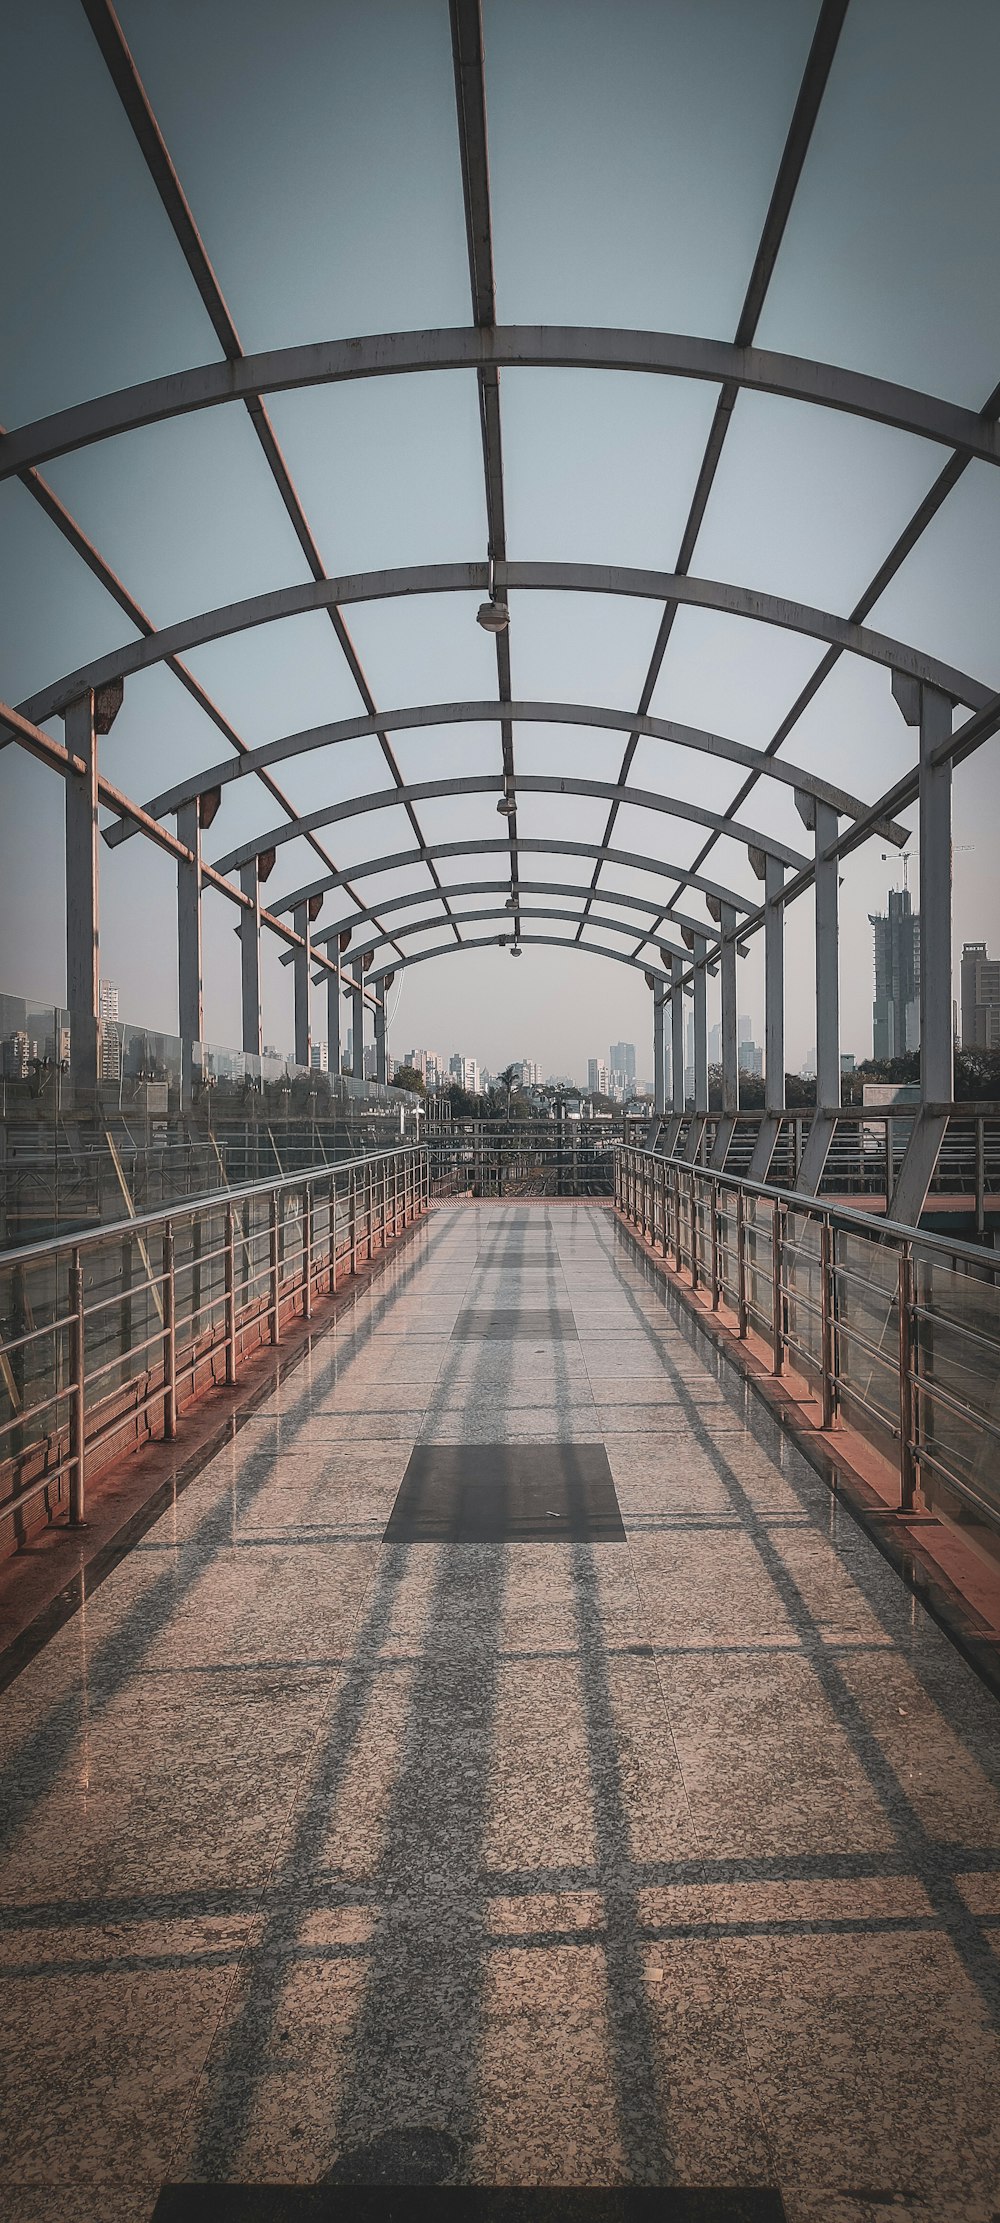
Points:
829	25
302	598
470	106
529	347
526	713
420	791
134	99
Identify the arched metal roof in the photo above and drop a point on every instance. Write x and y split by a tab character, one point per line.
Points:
483	351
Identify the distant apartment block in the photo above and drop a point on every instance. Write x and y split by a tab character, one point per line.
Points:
980	998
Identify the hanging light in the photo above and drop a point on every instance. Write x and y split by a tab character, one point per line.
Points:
511	903
493	616
506	806
515	949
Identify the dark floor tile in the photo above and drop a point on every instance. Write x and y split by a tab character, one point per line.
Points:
447	2203
502	1325
505	1493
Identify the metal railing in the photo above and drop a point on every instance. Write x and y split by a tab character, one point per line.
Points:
896	1331
104	1337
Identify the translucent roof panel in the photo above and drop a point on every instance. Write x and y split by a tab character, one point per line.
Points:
581	647
389	469
292	131
807	501
652	212
424	649
885	265
600	467
729	676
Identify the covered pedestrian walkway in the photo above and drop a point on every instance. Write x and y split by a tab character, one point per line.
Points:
504	1764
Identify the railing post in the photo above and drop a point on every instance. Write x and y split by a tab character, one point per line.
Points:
352	1211
275	1276
332	1259
741	1265
907	1401
230	1296
828	1321
715	1245
675	1199
169	1334
694	1232
306	1251
78	1401
777	1323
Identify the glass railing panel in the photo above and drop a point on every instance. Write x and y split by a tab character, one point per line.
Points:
957	1368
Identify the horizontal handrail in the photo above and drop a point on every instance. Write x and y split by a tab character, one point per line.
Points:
212	1200
193	1305
807	1303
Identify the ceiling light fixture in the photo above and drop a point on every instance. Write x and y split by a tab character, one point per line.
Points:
493	616
506	806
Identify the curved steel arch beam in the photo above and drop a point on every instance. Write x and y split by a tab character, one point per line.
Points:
492	783
544	347
526	845
358	920
549	941
497	713
502	916
299	600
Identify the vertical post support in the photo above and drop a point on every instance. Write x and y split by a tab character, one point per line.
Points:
659	1047
729	1015
907	1397
230	1297
822	819
700	1027
742	1315
714	1206
774	986
190	994
78	1398
82	892
301	965
357	1021
307	1248
334	1006
380	1056
676	1039
777	1289
274	1293
169	1334
937	1046
828	1322
250	958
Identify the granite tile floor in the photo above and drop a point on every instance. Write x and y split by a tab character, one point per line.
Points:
332	1857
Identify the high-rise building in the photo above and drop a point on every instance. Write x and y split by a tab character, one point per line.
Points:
621	1059
980	998
465	1071
109	1031
529	1073
18	1052
896	1009
597	1076
319	1057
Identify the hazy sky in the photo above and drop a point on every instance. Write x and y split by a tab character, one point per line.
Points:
633	150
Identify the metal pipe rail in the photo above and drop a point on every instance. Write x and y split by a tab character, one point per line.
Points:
109	1331
897	1331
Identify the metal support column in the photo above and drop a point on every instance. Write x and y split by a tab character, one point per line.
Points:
380	1059
692	1142
725	915
933	710
357	1021
659	1048
82	894
301	961
822	819
772	872
251	876
190	1022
